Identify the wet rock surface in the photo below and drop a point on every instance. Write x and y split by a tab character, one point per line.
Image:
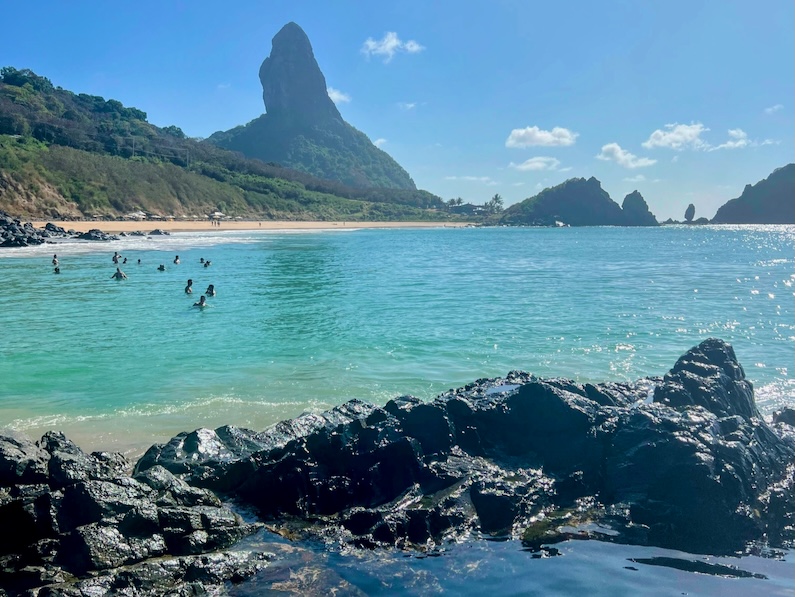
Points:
71	520
683	462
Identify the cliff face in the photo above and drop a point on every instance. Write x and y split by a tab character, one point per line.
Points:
302	128
636	211
770	201
293	87
579	202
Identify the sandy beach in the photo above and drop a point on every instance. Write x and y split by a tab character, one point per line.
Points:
186	226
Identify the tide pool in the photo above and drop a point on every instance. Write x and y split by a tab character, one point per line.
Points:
306	320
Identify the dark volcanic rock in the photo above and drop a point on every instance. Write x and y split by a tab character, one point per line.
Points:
13	233
96	234
709	375
785	416
65	513
636	211
695	469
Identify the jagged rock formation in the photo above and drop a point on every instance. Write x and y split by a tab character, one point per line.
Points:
636	211
579	202
13	233
695	468
770	201
66	515
303	129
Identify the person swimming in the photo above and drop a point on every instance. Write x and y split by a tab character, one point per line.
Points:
116	257
202	302
55	260
119	275
139	262
201	260
210	290
207	263
162	268
57	270
176	260
124	261
189	287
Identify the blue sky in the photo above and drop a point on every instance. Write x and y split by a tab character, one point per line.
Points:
685	101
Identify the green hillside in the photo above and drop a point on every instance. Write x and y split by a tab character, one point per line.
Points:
71	154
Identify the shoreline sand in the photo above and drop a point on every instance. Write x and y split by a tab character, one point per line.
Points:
191	226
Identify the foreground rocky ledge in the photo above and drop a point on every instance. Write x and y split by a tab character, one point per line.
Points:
684	462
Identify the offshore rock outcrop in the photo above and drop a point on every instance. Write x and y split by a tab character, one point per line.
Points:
303	129
682	462
637	212
579	202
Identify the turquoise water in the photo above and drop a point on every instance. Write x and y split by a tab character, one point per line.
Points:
306	320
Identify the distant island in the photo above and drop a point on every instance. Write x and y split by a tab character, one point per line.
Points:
579	202
303	129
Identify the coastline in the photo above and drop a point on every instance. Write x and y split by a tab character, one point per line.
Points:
111	226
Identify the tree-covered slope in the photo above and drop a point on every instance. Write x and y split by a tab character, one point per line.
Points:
76	155
770	201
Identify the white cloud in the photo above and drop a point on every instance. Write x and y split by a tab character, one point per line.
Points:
534	136
484	179
379	142
536	164
638	178
612	152
517	184
773	109
737	140
678	136
674	159
389	45
407	105
337	96
222	86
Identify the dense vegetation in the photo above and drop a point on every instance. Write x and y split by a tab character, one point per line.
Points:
78	154
332	150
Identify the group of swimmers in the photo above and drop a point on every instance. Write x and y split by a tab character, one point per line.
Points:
203	299
120	275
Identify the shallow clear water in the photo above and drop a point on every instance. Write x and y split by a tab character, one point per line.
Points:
304	321
484	567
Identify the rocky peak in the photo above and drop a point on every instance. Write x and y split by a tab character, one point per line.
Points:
293	87
636	211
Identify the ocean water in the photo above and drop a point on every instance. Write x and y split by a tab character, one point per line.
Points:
306	320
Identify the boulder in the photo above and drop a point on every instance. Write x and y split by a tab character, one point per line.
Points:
67	513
